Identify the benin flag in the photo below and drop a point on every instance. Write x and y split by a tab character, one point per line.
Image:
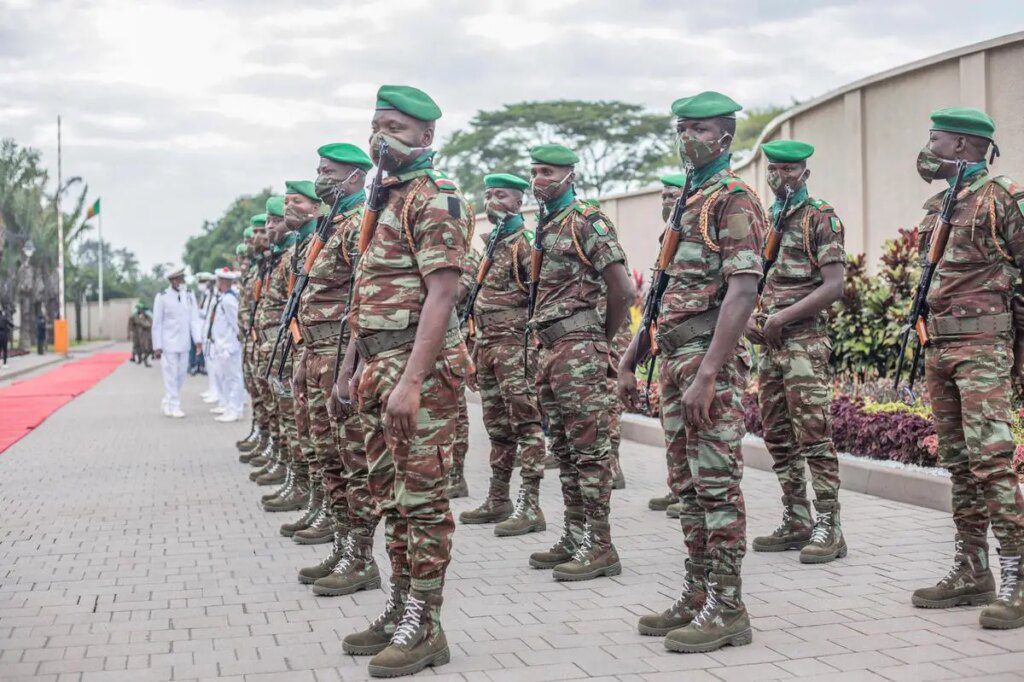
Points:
94	210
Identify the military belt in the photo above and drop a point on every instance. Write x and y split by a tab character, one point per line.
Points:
694	327
950	328
381	342
516	316
321	331
586	319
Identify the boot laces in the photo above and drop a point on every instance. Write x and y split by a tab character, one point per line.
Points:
390	606
787	517
410	622
586	544
684	595
348	547
520	509
340	546
710	606
1010	578
958	564
822	528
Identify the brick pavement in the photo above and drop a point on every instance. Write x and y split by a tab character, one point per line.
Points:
131	548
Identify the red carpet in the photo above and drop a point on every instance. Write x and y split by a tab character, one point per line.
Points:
25	404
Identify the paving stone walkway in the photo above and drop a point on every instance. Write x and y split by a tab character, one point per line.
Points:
132	548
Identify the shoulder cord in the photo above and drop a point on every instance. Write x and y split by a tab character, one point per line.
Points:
344	244
705	214
515	265
407	208
806	229
992	224
571	222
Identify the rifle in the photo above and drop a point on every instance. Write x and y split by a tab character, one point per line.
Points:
646	350
375	202
297	285
481	273
918	319
266	267
536	260
213	316
774	240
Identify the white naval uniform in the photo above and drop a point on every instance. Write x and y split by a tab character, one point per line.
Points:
226	353
174	326
211	369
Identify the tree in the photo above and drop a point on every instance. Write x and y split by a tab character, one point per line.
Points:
620	145
750	124
215	246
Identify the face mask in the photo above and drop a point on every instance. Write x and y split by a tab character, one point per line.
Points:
666	213
398	152
776	182
496	212
697	152
328	189
294	216
549	191
929	164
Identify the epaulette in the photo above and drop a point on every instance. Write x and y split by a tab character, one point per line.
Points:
529	235
1013	189
822	205
733	185
442	181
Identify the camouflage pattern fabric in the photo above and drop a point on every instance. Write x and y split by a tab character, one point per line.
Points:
721	237
795	395
326	466
619	346
424	227
505	288
353	477
461	446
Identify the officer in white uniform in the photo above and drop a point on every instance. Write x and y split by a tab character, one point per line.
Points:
207	297
174	327
225	355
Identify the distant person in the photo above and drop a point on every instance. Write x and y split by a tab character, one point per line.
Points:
6	327
40	334
223	350
174	319
140	327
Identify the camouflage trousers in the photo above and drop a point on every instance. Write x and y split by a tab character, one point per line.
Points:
284	406
706	466
795	398
408	477
510	410
576	397
259	411
353	477
266	416
325	467
969	388
461	447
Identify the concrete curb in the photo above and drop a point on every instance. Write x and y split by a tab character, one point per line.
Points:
915	485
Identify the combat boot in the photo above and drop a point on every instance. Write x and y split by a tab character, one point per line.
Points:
296	499
356	571
418	642
565	546
662	503
527	516
267	466
276	474
313	509
595	557
684	609
249	439
320	530
457	486
550	462
674	510
827	541
618	478
377	636
723	620
259	457
495	508
793	533
969	582
284	487
252	449
310	574
1007	612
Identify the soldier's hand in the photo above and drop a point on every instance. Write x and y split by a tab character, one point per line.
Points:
299	380
471	381
334	406
157	354
697	402
754	331
627	388
772	331
401	410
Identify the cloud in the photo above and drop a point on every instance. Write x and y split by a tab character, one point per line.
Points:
172	108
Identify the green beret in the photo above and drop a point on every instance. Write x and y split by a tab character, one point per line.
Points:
787	151
275	206
705	105
408	100
964	120
674	180
258	219
343	152
248	233
240	250
553	155
506	181
304	187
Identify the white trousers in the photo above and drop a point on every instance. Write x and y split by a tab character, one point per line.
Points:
213	388
230	386
174	367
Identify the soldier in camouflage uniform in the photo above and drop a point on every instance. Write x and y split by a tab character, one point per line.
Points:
413	363
510	411
253	444
582	273
301	210
457	485
794	384
703	372
968	364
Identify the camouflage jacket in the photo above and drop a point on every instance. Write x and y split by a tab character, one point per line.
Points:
812	236
722	228
326	293
245	296
579	243
425	226
506	287
984	257
275	293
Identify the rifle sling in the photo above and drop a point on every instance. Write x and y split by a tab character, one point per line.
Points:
691	328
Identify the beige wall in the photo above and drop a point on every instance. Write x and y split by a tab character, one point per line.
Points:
115	319
867	136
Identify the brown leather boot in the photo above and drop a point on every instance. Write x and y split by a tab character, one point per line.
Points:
527	516
320	529
495	508
457	486
284	487
1007	611
312	510
618	478
356	571
969	582
684	609
294	500
310	574
722	621
827	541
595	556
662	503
253	448
566	545
793	533
418	641
249	442
376	637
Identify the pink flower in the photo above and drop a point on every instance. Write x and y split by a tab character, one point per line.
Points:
931	444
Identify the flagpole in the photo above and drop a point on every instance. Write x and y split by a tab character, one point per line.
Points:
60	231
100	230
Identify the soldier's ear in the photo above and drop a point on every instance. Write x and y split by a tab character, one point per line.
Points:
427	139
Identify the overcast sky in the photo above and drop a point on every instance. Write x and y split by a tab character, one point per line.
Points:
172	109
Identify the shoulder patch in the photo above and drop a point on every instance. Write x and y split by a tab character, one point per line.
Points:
837	226
529	235
733	185
822	206
442	181
1011	187
600	226
587	209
